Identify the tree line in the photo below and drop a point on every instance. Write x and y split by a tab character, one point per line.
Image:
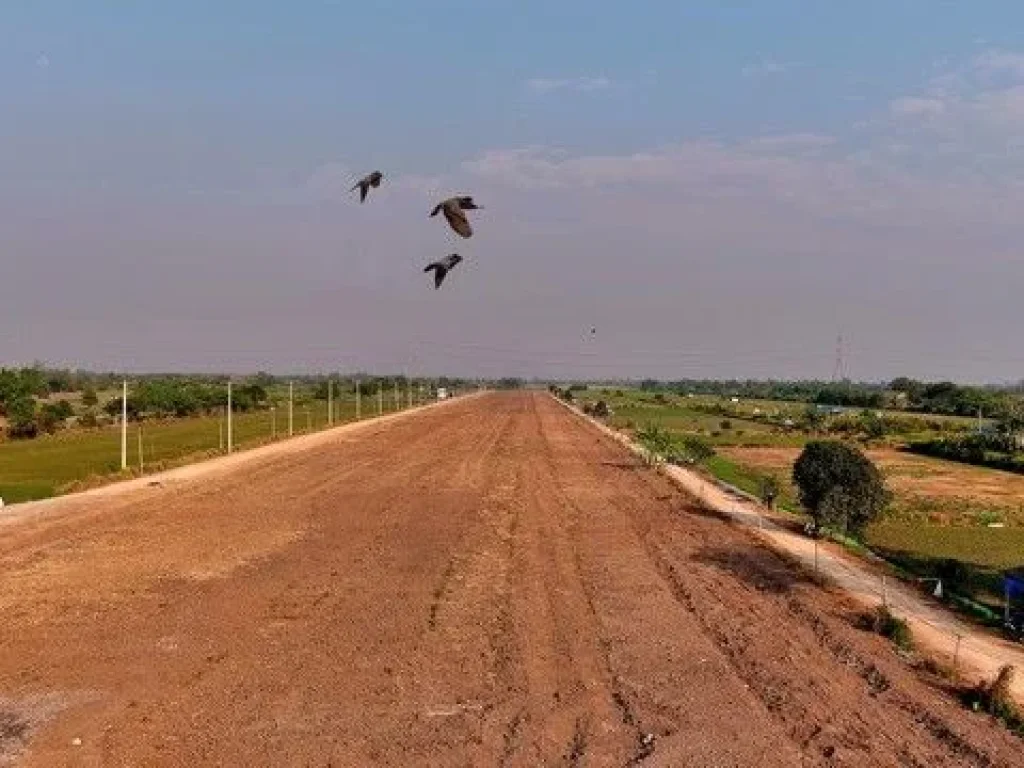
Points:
35	400
938	398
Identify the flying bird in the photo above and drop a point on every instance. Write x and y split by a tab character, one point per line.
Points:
442	267
364	184
453	209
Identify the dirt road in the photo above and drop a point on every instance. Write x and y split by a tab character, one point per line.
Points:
491	583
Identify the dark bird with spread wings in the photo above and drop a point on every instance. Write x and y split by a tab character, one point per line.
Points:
442	267
453	209
364	184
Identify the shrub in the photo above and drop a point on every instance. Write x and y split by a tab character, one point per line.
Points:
21	417
768	490
886	624
931	666
696	449
657	443
996	698
725	425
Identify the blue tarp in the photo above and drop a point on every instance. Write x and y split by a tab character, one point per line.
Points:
1014	583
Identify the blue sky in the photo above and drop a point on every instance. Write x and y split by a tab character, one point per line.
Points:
739	182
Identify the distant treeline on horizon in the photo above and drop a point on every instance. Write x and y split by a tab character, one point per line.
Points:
941	397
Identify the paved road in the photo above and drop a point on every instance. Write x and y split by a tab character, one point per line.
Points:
492	582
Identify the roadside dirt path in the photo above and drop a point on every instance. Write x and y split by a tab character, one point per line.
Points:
978	654
492	583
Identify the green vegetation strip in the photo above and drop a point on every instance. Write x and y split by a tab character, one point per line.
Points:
51	465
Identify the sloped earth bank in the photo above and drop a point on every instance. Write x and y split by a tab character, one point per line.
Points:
493	583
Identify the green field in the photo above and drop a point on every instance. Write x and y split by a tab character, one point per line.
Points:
942	510
51	465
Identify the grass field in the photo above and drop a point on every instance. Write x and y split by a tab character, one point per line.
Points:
926	490
51	465
941	509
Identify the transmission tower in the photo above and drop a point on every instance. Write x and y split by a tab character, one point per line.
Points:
839	370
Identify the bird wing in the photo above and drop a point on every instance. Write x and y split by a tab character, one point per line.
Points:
440	270
375	178
458	221
439	276
364	188
437	209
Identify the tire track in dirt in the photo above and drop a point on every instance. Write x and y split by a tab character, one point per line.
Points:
491	583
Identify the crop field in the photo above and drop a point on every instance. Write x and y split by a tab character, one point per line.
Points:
680	415
941	509
756	423
76	458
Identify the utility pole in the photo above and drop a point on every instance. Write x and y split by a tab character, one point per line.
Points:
398	397
273	422
124	425
230	435
839	369
291	408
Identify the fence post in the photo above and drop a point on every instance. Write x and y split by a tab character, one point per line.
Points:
231	441
124	425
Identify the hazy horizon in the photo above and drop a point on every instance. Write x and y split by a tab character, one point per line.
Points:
720	192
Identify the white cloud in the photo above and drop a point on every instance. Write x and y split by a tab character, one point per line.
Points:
767	66
996	61
582	84
795	141
914	106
